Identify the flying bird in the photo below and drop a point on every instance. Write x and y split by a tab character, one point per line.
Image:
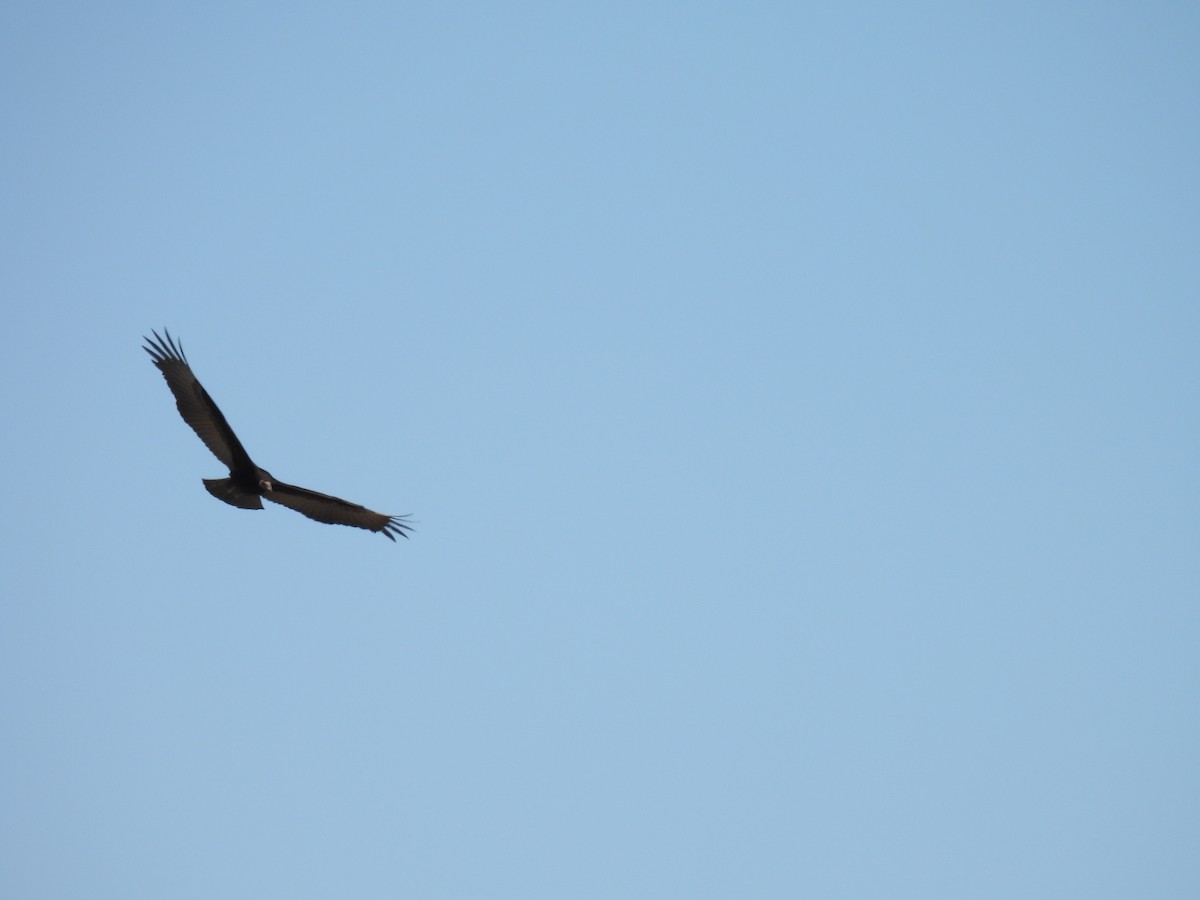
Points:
247	483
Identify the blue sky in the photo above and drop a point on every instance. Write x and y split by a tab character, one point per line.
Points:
797	405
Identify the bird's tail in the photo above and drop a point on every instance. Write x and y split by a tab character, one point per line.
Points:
225	490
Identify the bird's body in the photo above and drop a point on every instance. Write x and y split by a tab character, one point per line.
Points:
247	483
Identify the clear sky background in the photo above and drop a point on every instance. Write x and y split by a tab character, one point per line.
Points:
797	404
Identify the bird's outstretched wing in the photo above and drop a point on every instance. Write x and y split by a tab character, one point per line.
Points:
196	407
335	511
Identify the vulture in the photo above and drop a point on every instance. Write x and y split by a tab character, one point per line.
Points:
247	483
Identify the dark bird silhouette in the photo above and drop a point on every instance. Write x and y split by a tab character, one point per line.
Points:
247	482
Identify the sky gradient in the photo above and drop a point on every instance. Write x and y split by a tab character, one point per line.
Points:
796	405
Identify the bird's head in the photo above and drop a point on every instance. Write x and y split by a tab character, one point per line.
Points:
266	481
